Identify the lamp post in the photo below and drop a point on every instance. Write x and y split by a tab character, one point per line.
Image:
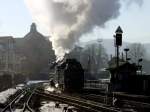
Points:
140	66
126	51
118	42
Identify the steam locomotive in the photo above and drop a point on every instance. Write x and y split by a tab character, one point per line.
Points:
71	75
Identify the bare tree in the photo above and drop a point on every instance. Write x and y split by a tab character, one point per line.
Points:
136	51
95	56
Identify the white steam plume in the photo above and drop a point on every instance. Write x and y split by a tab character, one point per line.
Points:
68	20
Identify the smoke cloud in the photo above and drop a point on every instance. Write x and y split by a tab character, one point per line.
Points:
138	2
68	20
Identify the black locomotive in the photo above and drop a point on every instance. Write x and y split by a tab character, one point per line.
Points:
73	75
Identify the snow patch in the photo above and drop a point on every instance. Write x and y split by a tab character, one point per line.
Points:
4	95
50	107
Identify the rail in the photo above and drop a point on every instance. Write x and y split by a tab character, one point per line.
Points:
25	96
88	105
9	106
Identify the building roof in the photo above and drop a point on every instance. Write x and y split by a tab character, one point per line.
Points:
126	66
119	30
33	34
6	38
122	63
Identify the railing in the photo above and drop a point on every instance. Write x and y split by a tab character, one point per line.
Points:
96	84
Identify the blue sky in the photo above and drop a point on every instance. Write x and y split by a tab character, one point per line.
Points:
15	20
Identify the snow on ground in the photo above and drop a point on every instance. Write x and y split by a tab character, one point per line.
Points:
4	95
18	110
21	110
49	106
36	81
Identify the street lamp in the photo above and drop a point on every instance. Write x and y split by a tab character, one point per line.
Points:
118	42
126	51
140	66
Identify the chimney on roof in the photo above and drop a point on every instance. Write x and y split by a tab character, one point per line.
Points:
33	27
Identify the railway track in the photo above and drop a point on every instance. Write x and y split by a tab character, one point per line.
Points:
122	102
20	101
83	104
9	105
96	103
26	99
139	106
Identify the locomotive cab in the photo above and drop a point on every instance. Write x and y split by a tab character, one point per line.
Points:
73	74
